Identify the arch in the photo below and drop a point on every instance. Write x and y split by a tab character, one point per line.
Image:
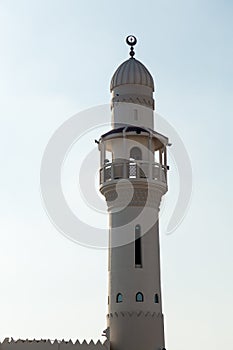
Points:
139	297
136	153
156	298
119	298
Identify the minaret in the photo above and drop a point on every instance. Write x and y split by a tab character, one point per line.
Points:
133	178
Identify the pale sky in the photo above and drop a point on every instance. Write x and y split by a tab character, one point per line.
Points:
57	59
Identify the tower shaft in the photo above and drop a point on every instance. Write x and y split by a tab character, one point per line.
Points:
133	179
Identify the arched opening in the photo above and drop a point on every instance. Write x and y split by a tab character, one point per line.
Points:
108	157
139	297
119	298
156	298
136	153
138	246
107	166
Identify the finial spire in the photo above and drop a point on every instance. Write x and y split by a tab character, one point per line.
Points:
131	41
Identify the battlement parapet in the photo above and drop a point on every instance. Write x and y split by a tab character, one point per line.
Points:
46	344
134	314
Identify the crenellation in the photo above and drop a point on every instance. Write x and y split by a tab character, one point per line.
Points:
46	344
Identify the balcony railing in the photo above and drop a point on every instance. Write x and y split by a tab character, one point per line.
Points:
133	170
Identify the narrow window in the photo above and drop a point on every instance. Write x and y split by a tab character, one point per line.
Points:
135	114
136	153
139	297
137	246
156	298
119	298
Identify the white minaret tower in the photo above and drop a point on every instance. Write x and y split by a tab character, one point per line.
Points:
133	178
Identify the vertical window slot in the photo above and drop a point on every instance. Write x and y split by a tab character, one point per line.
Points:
138	246
156	298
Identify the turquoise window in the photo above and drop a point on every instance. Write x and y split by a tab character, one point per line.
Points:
139	297
119	298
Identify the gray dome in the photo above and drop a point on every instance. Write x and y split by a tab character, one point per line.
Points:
132	71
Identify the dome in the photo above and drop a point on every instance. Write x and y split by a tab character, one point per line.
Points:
132	71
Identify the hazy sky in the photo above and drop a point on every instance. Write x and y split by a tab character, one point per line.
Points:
56	59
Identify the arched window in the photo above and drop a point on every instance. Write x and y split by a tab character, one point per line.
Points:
156	298
119	298
137	247
136	153
139	297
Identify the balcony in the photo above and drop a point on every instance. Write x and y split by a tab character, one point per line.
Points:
133	170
